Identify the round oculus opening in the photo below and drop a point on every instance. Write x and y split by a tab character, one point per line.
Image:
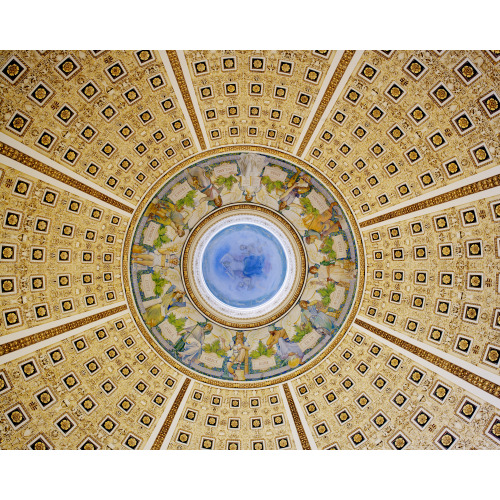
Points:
244	265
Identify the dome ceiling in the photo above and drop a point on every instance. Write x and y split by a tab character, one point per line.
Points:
249	249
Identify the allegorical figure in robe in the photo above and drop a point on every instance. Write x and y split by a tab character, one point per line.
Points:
285	348
238	354
251	166
156	313
190	344
297	185
198	179
318	315
166	214
322	225
161	257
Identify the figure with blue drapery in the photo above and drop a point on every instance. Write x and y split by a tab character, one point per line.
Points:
317	315
190	344
285	348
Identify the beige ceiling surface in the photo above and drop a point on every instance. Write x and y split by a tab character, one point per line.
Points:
411	139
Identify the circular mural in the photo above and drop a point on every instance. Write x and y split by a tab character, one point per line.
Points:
244	268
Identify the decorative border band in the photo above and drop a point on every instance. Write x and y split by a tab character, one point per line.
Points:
37	165
181	81
296	418
171	415
460	192
330	90
476	380
266	319
58	330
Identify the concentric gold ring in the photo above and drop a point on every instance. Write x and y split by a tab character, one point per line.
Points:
204	306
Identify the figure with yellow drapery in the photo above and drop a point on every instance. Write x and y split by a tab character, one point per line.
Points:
286	349
167	214
199	180
298	184
156	313
322	225
161	257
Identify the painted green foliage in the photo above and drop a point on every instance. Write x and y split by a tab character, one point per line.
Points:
162	237
308	208
178	323
227	182
187	201
159	282
270	185
327	249
215	347
326	293
302	331
262	350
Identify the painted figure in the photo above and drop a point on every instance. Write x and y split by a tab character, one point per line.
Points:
321	272
322	225
343	270
165	213
245	265
161	258
285	348
156	313
251	166
299	184
317	314
238	355
198	180
190	344
334	270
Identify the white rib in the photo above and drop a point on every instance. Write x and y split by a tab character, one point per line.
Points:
175	421
53	340
448	357
340	87
321	93
442	206
60	168
302	418
178	95
164	415
192	93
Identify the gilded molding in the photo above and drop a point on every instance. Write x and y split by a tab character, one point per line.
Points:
290	301
475	187
296	418
58	330
30	162
469	377
233	149
332	86
171	415
181	81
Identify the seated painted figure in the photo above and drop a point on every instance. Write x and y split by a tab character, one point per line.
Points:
285	348
320	317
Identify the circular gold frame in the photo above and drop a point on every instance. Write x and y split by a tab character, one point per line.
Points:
304	166
291	298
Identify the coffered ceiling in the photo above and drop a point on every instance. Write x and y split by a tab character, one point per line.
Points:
411	140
